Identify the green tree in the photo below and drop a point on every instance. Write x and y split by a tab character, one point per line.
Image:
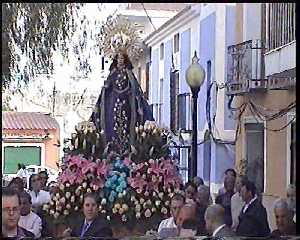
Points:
36	30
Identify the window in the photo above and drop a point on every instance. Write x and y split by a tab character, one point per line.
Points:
161	99
183	111
255	154
176	43
102	63
280	24
161	56
174	90
184	163
293	154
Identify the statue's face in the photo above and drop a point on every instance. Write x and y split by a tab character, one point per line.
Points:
120	60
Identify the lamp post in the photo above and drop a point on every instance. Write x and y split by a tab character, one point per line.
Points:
195	75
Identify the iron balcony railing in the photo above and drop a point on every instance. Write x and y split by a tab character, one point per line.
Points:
245	67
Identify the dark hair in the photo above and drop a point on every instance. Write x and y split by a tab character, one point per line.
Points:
190	224
91	195
250	186
30	180
44	172
16	180
25	195
190	183
200	180
19	166
127	62
230	170
9	192
178	197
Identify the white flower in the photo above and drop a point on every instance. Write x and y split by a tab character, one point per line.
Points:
103	211
77	192
125	207
58	208
57	195
68	206
169	190
121	211
138	215
145	205
68	185
103	201
45	207
108	218
167	203
157	203
154	194
138	208
151	161
76	208
73	199
61	187
51	203
149	202
132	199
144	176
142	200
68	195
124	218
52	212
100	208
170	195
139	191
146	193
164	210
153	209
161	195
148	213
66	212
56	215
84	185
120	195
88	190
114	211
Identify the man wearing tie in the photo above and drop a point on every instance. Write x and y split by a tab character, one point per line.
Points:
92	225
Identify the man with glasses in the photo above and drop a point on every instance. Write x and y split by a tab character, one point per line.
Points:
11	216
177	202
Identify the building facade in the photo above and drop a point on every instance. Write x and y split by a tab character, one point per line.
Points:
29	138
207	29
261	84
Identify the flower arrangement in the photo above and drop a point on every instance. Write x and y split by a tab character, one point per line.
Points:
132	186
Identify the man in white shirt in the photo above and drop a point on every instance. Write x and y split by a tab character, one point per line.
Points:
237	202
29	220
177	202
215	222
38	196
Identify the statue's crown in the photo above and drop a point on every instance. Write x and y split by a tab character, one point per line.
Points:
118	35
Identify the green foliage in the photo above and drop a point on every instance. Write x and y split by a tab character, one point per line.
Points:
38	30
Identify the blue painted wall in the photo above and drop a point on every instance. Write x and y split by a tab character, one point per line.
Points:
229	122
207	53
185	56
225	159
155	76
166	88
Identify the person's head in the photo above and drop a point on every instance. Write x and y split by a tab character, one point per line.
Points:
230	172
19	166
248	190
189	228
35	182
202	196
25	203
90	206
43	177
283	215
190	190
23	166
291	196
238	182
177	201
198	181
10	209
229	183
214	217
188	211
53	187
17	184
122	60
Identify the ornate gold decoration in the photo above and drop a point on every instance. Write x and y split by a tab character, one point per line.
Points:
119	35
242	167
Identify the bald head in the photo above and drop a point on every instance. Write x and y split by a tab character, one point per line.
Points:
214	217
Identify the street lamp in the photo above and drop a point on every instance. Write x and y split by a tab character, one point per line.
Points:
195	75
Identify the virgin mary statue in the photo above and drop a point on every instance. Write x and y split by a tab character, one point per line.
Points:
121	106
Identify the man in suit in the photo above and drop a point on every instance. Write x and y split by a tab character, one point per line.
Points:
253	220
91	225
215	222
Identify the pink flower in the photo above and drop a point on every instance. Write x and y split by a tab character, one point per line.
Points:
98	183
137	182
75	160
155	168
102	168
127	162
88	166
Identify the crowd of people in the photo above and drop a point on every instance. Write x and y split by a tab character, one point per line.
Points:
237	210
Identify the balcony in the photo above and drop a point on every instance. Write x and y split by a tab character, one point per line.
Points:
245	68
282	81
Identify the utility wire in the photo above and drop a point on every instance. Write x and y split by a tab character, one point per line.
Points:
148	16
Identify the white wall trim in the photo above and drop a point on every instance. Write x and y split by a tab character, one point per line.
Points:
17	144
290	116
